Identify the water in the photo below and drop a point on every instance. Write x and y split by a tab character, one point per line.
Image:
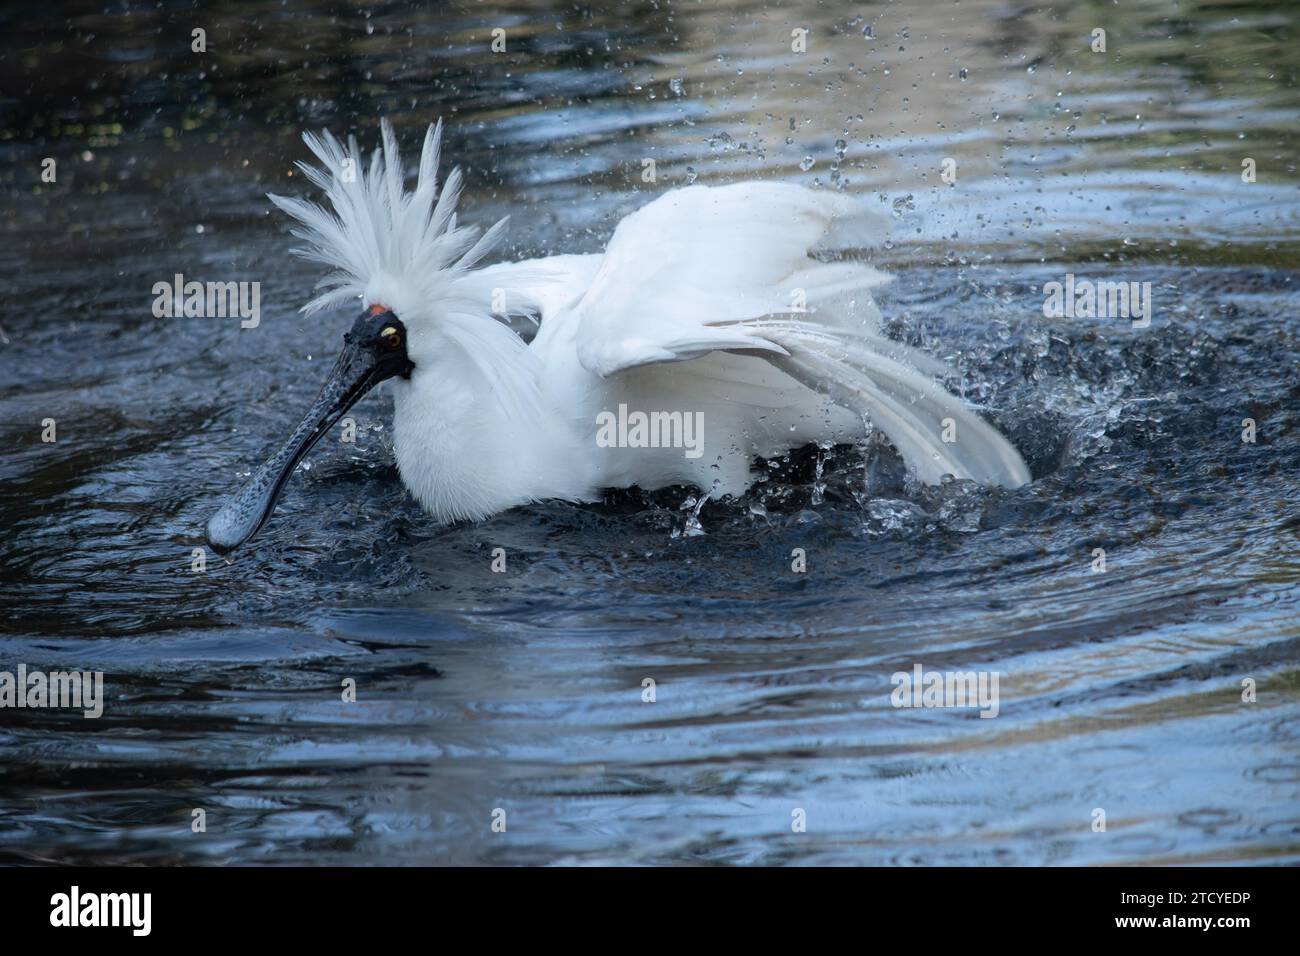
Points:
522	691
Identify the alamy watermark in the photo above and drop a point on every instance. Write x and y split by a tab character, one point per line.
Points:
921	688
651	430
208	300
74	908
1085	299
75	690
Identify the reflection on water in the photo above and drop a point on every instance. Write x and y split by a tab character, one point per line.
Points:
524	691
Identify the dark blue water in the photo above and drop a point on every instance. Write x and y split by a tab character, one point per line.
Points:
522	691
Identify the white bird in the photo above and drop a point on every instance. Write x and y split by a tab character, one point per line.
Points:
708	301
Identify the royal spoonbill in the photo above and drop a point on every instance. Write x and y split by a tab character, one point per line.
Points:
711	305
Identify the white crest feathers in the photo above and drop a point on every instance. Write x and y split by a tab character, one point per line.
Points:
377	232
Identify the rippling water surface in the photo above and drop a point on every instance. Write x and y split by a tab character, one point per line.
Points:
523	690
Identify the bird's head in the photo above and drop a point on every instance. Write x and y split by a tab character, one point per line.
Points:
401	256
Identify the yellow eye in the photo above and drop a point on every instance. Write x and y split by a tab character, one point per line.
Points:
391	337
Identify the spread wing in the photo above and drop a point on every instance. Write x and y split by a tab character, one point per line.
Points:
735	268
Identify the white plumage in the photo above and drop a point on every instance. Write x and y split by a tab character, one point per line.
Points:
707	300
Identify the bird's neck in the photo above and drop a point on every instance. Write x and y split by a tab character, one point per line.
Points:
463	452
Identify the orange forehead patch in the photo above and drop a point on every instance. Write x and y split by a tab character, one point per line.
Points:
378	308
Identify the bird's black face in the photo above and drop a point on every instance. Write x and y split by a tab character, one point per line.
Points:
382	336
374	349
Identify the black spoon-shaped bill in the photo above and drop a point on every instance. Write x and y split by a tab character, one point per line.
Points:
374	350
